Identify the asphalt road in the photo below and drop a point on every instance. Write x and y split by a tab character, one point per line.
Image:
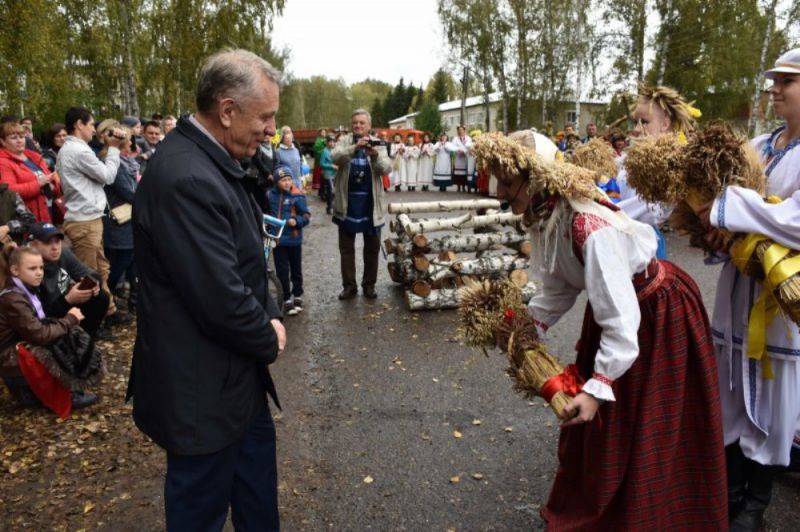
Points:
391	423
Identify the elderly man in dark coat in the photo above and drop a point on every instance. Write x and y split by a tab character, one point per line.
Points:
207	327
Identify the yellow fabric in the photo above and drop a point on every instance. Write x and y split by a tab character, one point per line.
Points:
777	269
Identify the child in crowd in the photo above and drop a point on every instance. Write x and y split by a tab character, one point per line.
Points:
22	319
328	171
288	202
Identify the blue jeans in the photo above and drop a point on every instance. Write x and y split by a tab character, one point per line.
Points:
199	488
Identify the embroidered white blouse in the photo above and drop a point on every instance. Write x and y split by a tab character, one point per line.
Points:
611	257
742	210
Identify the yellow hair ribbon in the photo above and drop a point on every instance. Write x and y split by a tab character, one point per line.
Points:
682	140
694	112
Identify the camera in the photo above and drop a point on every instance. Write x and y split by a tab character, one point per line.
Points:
376	142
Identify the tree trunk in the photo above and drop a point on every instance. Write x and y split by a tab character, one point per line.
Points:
662	67
442	206
129	78
752	123
481	242
466	221
446	298
490	265
464	88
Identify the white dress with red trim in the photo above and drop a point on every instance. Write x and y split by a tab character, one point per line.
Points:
611	257
762	414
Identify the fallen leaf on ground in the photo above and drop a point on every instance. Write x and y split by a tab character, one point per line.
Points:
477	476
88	507
476	421
509	429
455	479
457	434
368	480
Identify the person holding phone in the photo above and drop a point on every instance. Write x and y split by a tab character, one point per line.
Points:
67	281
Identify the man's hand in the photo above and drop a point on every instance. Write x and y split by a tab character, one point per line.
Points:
44	179
586	407
76	296
280	332
362	143
292	222
715	238
4	230
75	311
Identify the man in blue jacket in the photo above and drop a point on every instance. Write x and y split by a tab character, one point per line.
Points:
207	327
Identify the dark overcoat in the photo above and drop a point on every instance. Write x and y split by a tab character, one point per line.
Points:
204	338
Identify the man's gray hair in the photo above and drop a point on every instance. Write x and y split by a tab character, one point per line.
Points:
362	112
231	74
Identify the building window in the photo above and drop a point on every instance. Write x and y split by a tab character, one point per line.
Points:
571	116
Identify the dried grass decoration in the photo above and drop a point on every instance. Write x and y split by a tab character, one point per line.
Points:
510	161
596	155
657	169
492	313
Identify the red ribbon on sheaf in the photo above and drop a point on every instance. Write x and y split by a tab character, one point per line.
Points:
568	381
508	316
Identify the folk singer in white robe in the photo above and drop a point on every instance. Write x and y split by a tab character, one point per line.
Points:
425	168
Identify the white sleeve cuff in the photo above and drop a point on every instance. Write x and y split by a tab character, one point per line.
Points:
598	390
717	214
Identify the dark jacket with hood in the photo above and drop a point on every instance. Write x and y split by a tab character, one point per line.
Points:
204	338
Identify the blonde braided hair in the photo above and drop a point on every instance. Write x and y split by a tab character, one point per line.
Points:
672	104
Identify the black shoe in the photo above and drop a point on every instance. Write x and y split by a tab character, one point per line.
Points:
347	294
118	318
370	293
105	334
328	211
21	392
81	399
756	499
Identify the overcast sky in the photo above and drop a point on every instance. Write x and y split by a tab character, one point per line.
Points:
357	39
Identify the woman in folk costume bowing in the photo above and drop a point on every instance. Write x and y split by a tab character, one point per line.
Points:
425	168
644	450
442	167
396	151
462	145
410	163
659	110
759	359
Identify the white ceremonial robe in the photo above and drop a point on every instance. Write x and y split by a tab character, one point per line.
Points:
410	166
396	154
425	168
762	414
442	169
462	149
611	257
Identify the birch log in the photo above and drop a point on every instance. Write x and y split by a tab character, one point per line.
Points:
466	221
489	265
448	298
442	206
458	243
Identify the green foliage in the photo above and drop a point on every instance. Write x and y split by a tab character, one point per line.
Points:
441	87
120	56
430	119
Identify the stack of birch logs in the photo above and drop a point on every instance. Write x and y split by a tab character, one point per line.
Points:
470	246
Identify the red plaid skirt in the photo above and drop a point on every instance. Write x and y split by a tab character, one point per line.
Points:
654	458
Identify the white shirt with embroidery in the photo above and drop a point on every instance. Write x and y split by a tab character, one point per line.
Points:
611	258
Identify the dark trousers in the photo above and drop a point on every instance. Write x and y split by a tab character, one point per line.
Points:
289	263
199	488
347	252
328	192
94	311
122	263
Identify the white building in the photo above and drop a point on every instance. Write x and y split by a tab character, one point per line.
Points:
475	110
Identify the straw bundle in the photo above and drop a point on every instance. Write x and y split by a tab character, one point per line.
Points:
509	161
596	155
718	157
656	168
487	321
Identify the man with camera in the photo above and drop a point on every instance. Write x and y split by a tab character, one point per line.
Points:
83	177
357	204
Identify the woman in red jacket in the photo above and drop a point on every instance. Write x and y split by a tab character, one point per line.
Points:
26	172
